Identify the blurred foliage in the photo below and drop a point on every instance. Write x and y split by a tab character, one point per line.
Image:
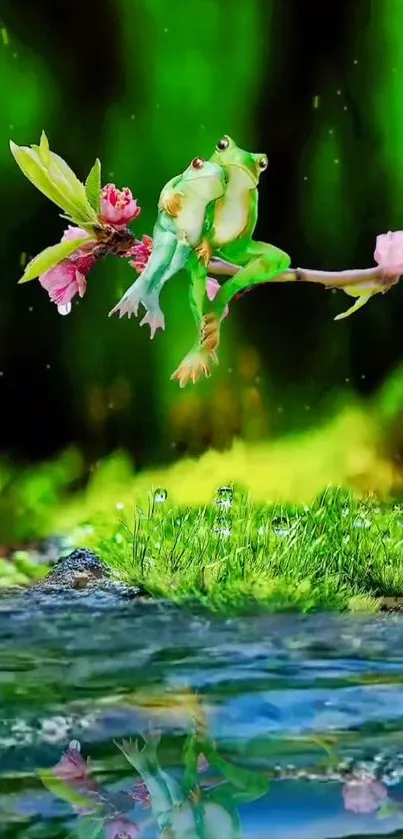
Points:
154	85
357	448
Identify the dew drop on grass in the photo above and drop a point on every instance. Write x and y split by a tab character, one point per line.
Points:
225	497
160	495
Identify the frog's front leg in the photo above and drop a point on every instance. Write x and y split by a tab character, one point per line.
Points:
164	791
259	263
146	289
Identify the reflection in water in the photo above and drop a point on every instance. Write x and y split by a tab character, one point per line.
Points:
295	731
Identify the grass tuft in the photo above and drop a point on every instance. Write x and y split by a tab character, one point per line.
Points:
339	553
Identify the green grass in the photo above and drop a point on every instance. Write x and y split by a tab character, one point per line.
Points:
233	555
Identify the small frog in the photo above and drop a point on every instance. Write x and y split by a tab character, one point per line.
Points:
234	221
182	226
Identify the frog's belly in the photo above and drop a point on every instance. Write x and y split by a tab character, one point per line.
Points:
230	221
190	223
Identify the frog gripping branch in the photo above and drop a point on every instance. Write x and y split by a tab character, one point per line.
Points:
205	222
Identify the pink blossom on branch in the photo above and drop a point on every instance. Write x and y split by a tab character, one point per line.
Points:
362	795
141	253
72	233
202	763
213	288
118	206
389	255
140	793
67	279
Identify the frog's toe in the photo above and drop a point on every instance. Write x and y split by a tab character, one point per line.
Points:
155	320
126	306
192	368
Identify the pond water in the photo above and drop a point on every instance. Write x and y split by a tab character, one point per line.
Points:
300	717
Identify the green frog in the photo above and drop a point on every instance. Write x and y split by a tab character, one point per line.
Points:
230	239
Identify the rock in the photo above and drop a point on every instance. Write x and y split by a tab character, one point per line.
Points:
80	569
83	572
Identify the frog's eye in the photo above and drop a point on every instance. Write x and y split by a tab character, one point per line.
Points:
197	163
263	163
223	144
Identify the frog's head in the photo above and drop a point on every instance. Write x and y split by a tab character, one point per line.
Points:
205	178
228	154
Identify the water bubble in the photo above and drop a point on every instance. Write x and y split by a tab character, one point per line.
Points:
281	526
223	532
362	522
225	497
120	506
160	495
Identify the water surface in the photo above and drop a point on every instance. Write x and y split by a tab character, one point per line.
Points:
312	704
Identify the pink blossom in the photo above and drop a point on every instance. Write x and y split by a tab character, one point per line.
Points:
141	253
71	766
141	793
363	795
121	829
67	279
202	763
72	233
118	206
76	773
389	255
213	288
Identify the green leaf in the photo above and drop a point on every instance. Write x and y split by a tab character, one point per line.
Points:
44	148
66	180
64	791
33	168
93	186
389	808
54	179
50	257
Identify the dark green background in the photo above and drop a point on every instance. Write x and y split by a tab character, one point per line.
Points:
146	85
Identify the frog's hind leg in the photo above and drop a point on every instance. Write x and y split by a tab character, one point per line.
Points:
362	300
198	361
259	263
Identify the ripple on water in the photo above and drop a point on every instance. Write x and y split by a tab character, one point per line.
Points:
301	698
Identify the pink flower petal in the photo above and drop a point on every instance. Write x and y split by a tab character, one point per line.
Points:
118	207
212	288
389	254
66	280
363	795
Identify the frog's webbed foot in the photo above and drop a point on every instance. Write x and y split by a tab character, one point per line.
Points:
195	365
171	204
204	251
155	319
132	748
129	303
152	740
